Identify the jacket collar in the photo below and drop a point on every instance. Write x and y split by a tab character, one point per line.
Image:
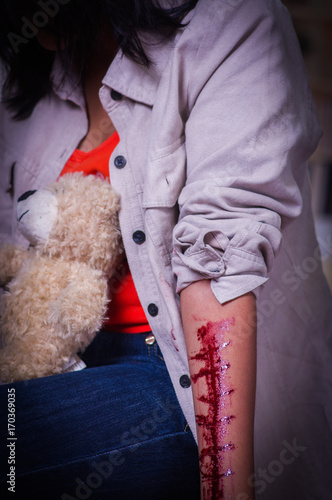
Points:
67	88
135	81
130	79
125	76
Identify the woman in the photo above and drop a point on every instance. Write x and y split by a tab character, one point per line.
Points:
212	119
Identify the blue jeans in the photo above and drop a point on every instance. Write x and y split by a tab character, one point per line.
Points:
114	430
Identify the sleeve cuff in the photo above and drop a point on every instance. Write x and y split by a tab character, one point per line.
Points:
230	287
230	277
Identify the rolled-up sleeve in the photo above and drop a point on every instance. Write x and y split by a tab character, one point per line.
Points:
251	127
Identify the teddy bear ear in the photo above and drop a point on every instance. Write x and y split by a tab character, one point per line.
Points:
36	214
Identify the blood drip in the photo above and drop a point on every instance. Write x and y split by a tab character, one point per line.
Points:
215	422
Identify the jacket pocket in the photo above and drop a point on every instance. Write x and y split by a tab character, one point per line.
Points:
164	181
165	176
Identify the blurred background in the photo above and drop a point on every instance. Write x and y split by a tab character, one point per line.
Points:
313	24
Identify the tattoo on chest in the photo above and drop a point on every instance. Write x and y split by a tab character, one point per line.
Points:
214	372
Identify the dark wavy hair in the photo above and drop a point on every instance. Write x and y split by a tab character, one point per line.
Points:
78	25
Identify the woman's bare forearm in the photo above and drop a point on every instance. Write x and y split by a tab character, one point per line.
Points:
221	344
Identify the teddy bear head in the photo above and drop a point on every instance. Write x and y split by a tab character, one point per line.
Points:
75	218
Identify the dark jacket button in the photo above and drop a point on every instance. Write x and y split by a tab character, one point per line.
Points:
185	381
139	237
116	96
120	161
153	309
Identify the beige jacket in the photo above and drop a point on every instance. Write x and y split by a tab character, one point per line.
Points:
214	137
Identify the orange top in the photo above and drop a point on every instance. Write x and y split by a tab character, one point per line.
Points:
94	162
125	313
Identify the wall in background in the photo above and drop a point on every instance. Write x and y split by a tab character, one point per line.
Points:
313	23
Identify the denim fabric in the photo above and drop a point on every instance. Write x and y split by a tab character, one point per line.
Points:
114	430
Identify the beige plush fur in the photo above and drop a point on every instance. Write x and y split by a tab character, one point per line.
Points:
57	299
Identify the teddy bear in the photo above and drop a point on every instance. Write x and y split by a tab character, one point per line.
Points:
56	290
